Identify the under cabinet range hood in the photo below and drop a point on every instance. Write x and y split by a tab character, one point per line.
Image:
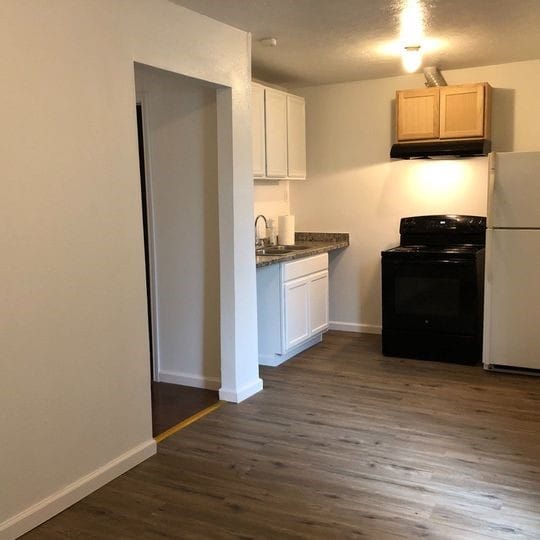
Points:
441	149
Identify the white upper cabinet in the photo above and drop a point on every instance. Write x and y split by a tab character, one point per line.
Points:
278	134
257	125
296	137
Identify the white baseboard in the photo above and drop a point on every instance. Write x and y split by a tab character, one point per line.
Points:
236	396
355	327
271	360
64	498
187	379
278	359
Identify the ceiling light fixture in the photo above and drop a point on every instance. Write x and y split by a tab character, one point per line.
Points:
412	23
411	58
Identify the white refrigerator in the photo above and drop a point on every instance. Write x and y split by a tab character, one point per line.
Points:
512	276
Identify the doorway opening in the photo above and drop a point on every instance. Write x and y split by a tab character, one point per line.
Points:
142	172
177	143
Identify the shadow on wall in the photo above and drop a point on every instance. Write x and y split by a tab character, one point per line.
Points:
502	119
211	353
393	124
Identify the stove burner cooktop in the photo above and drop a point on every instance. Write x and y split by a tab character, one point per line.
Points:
444	236
464	250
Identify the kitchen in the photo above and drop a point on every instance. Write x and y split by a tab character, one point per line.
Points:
366	194
92	349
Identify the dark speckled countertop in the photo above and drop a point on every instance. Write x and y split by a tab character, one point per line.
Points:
316	243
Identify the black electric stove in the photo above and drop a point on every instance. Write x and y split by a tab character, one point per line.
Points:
432	289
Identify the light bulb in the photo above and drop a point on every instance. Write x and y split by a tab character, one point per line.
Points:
411	58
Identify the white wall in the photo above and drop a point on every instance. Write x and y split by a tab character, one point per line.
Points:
181	121
271	199
354	187
74	390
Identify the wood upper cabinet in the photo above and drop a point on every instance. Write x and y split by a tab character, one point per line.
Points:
278	123
417	114
444	112
463	111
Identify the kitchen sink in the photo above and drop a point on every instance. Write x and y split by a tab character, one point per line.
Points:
279	250
272	251
293	247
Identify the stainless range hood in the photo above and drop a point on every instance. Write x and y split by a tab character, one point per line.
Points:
428	149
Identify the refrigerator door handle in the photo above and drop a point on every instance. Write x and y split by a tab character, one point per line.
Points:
491	188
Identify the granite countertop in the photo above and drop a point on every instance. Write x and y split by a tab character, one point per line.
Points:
316	243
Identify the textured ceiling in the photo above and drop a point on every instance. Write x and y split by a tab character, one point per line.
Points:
328	41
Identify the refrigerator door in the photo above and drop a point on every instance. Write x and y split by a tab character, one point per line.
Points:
514	190
512	299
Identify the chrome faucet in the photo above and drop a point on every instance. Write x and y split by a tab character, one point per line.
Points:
259	242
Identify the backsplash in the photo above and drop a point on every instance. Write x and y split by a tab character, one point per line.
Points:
320	237
271	198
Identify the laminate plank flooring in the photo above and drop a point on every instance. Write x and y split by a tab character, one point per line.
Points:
172	403
342	443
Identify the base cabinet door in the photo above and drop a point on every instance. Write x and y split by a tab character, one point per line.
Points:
318	302
295	312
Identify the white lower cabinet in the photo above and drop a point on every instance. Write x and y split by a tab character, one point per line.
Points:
296	312
318	303
292	307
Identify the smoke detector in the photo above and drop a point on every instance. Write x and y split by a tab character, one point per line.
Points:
268	42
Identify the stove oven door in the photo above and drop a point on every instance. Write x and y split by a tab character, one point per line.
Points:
431	296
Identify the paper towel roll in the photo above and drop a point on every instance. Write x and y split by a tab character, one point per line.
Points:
286	230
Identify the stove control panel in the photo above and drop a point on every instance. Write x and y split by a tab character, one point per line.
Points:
443	224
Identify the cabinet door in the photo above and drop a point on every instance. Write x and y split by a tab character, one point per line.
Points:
318	303
462	111
295	312
257	130
276	133
296	137
417	114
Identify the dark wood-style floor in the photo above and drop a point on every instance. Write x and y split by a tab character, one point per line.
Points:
172	403
342	443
